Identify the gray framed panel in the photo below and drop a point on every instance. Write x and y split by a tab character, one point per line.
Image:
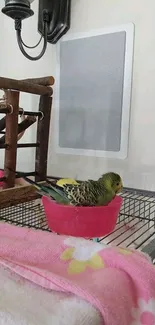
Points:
91	97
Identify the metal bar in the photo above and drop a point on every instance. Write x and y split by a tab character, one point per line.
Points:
3	179
7	109
28	145
54	177
139	191
4	146
39	114
11	139
27	87
20	145
29	214
27	174
43	138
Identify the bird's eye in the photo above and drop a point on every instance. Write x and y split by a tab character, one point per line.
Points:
117	184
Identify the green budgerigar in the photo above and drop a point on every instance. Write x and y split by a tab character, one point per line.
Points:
86	193
94	193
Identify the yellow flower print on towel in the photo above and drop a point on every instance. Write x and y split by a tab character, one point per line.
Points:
82	254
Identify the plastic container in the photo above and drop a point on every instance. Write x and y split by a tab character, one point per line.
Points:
88	222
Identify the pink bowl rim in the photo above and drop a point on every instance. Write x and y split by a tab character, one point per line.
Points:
116	201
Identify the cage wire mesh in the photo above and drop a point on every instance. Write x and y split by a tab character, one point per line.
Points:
136	222
135	226
27	214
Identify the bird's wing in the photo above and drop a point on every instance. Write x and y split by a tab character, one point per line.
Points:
58	195
82	194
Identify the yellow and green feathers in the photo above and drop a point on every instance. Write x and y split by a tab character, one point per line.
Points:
94	193
86	193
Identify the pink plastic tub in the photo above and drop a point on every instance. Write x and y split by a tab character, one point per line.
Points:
88	222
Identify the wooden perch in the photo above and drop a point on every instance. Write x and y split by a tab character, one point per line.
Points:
3	126
45	81
20	135
11	139
2	123
27	87
43	138
22	126
26	123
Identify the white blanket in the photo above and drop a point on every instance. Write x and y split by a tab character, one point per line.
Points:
23	303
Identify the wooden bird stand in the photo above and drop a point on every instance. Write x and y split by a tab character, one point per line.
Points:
11	195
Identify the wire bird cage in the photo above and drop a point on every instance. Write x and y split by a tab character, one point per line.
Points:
135	226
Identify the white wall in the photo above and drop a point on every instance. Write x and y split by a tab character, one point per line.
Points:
138	170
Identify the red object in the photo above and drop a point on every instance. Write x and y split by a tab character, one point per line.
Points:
1	175
82	221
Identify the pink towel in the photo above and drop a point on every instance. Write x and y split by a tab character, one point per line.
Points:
119	282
